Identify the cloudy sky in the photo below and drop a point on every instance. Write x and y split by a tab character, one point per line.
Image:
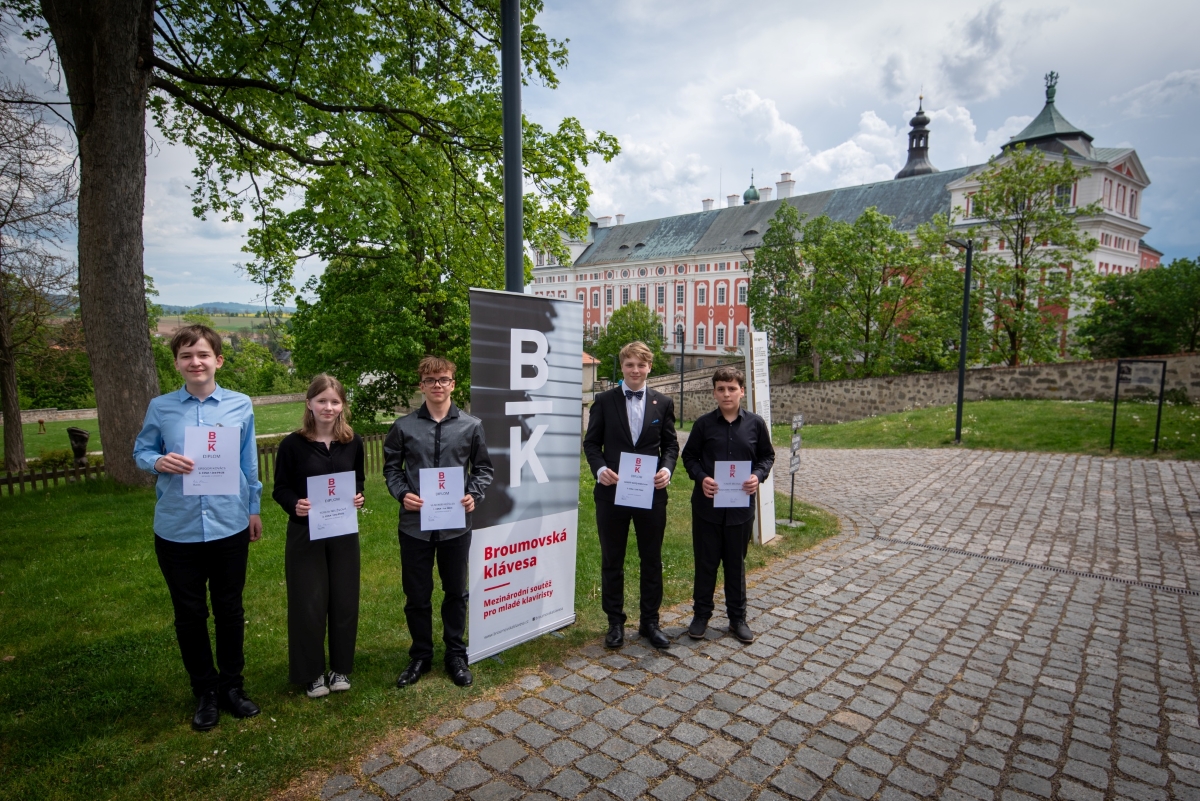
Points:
700	92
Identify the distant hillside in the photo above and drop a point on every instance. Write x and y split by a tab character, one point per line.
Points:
222	308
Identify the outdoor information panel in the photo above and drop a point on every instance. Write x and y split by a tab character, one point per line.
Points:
527	388
758	396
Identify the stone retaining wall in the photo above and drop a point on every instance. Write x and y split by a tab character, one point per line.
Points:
64	415
838	401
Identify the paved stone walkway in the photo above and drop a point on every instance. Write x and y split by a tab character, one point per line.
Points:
990	626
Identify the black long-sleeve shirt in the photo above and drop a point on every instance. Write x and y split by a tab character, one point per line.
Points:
713	438
300	458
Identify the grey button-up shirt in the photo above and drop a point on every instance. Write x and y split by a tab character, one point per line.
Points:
416	441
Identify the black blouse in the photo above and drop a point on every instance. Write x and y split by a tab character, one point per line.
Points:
299	458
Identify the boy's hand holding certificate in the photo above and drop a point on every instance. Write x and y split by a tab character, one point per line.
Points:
442	492
331	511
216	454
730	476
636	487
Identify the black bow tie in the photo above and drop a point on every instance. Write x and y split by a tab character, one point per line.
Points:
629	393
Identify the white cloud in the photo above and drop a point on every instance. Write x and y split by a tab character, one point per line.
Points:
1177	87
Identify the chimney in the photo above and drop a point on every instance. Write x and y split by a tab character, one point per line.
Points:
785	184
732	200
620	219
707	203
764	193
604	222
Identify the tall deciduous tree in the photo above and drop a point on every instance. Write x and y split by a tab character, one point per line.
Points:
346	130
633	322
1036	260
778	297
37	204
1145	313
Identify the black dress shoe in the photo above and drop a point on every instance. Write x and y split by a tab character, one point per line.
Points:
654	635
206	711
413	673
459	673
739	629
615	637
698	627
235	702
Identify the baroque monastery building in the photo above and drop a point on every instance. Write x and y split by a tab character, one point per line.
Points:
691	269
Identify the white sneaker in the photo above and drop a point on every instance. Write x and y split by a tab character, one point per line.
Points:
339	682
317	687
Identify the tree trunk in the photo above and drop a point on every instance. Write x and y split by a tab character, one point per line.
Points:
14	433
100	44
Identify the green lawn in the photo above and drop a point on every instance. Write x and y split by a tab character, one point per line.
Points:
1019	425
94	702
277	418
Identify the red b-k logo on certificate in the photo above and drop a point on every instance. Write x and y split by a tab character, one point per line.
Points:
212	440
732	470
332	488
441	480
637	465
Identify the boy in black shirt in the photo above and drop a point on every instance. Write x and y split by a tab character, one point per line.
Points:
729	432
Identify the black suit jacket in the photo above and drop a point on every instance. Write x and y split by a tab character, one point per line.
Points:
608	436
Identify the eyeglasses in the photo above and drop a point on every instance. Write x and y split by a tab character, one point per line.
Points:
436	382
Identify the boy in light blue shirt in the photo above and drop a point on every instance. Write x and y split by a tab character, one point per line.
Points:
202	541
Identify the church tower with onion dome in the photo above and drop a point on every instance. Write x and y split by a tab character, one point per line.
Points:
918	145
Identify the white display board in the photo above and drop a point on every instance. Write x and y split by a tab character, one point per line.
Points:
758	397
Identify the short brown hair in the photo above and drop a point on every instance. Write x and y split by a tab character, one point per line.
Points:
191	334
342	431
435	364
636	350
729	373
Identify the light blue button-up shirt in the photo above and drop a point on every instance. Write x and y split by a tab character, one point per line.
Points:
198	518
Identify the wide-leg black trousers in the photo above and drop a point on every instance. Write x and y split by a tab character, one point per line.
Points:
194	571
715	544
322	599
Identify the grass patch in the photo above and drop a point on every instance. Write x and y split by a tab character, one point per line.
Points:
1019	425
95	703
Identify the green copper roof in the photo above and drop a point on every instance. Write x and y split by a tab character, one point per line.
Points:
751	194
1049	122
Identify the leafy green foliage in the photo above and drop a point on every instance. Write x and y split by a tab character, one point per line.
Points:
1145	313
53	372
1035	259
372	322
633	322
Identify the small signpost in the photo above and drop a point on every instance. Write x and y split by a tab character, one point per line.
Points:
1132	371
794	464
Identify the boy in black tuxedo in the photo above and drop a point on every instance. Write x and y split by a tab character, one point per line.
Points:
631	418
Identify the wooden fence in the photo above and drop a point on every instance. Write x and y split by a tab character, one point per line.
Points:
16	483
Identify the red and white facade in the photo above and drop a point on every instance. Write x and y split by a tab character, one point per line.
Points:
706	298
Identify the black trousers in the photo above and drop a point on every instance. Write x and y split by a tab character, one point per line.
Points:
612	523
194	571
714	544
416	573
322	595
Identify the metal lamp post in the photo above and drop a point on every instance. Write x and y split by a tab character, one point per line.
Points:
968	246
514	190
679	339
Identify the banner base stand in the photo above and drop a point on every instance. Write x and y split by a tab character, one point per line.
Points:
495	649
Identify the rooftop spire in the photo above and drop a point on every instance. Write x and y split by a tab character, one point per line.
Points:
1051	84
918	144
751	194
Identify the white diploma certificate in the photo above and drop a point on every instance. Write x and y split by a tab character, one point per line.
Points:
730	476
636	487
216	452
442	491
331	512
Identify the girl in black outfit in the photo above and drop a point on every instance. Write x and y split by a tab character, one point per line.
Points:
322	575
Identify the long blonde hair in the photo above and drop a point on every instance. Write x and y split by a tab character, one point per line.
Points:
342	431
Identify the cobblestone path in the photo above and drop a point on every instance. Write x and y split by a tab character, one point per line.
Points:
989	626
